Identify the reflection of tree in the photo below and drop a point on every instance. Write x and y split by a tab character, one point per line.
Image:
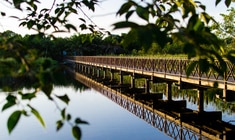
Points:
44	73
209	98
59	78
196	36
33	61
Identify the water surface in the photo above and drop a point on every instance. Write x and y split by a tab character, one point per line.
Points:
107	120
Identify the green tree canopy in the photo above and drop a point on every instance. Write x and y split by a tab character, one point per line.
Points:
225	29
163	20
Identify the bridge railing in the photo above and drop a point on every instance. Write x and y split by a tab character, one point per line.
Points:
169	66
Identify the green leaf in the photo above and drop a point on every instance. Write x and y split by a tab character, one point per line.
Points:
3	13
63	113
28	96
17	3
8	105
76	131
128	14
231	57
57	10
38	116
72	10
68	117
203	65
23	23
13	120
83	20
47	89
30	24
70	26
206	17
227	3
11	98
190	50
125	24
142	12
64	98
191	67
125	7
217	2
83	26
89	4
79	121
203	7
59	125
215	84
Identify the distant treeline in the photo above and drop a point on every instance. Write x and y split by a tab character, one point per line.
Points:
86	44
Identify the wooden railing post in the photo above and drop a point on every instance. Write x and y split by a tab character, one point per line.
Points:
225	86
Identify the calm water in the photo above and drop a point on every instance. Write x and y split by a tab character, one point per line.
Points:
228	115
107	120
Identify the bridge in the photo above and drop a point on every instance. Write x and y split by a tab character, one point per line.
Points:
150	106
171	69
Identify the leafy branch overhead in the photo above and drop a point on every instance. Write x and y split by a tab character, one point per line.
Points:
184	20
55	18
24	60
161	23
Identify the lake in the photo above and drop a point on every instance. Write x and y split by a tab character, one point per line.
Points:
107	120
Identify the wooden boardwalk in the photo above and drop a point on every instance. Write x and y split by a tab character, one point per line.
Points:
167	68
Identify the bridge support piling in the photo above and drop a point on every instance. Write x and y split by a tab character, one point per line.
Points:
200	94
169	90
83	68
89	70
133	81
93	72
121	77
98	73
75	67
80	67
104	73
111	75
147	86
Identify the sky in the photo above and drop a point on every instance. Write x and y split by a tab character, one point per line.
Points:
104	15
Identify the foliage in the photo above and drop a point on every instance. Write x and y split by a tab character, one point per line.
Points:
30	56
47	74
163	20
30	61
174	47
47	21
225	29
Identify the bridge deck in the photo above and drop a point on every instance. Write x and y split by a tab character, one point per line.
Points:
167	68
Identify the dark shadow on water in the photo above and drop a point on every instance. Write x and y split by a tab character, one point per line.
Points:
171	117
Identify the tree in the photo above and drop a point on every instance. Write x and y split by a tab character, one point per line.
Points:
162	20
225	29
55	19
30	63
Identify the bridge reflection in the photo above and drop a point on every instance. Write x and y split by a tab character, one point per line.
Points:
178	125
